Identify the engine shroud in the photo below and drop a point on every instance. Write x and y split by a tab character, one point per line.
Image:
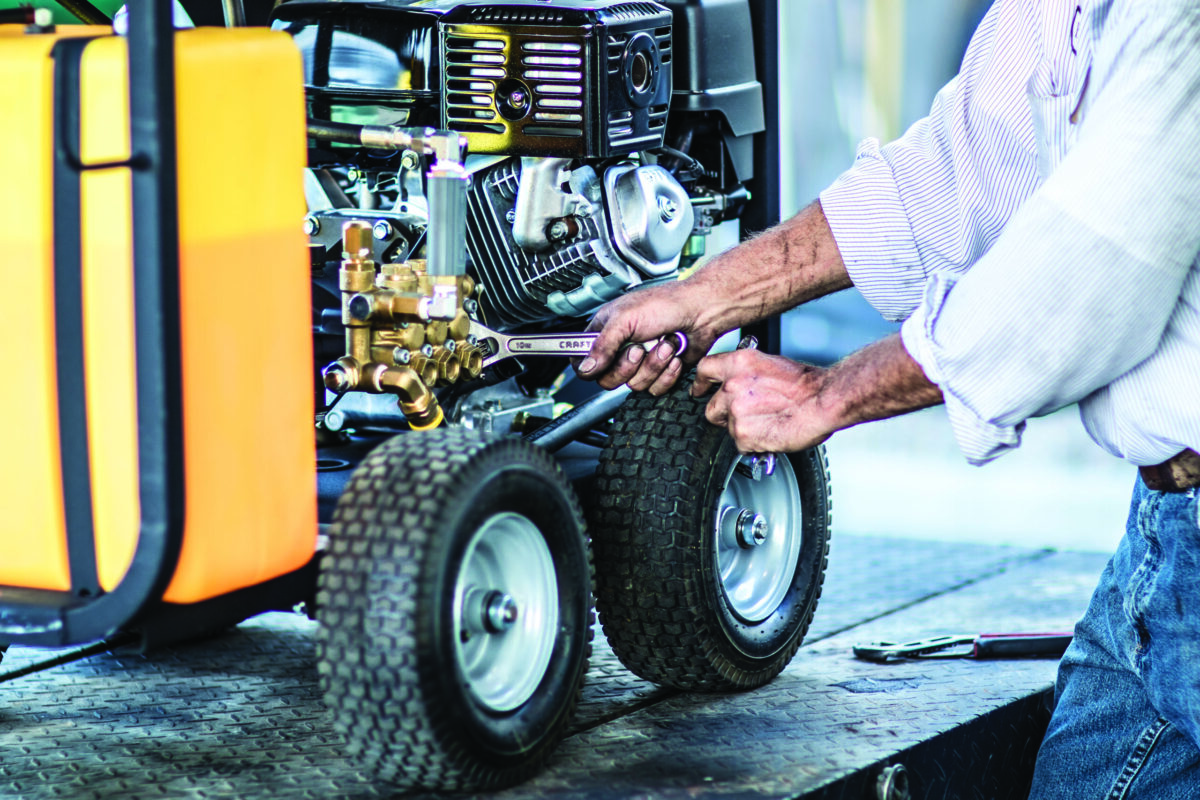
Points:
576	79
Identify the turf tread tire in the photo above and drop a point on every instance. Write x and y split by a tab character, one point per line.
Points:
653	594
378	588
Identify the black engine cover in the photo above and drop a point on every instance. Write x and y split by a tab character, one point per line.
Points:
570	78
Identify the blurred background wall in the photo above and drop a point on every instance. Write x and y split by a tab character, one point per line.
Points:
857	68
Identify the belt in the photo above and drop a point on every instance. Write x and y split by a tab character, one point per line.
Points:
1176	474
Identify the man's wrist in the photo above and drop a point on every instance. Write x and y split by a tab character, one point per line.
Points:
879	381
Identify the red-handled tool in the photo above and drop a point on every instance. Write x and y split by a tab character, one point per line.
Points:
983	645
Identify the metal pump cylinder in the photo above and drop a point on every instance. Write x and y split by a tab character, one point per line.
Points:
447	242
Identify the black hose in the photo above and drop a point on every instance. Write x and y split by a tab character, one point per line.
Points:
86	12
21	15
680	156
341	132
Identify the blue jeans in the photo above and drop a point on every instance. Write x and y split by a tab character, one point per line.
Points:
1126	725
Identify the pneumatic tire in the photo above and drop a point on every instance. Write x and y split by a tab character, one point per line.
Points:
455	611
684	601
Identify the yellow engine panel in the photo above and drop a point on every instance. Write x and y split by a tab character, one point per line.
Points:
249	454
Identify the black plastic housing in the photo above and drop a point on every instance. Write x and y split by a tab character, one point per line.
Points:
516	77
367	63
714	73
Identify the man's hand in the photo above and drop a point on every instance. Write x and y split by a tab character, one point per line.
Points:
793	262
770	404
642	316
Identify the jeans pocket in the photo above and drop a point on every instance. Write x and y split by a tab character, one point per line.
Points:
1171	613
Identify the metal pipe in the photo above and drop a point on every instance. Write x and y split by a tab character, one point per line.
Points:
559	433
86	12
446	241
375	137
235	13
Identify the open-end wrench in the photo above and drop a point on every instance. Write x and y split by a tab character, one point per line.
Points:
499	346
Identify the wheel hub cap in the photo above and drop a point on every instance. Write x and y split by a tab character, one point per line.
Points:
759	533
505	611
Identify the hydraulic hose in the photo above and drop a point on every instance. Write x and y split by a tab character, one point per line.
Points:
340	132
86	12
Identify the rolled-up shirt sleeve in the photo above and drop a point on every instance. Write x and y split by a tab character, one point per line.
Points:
935	200
1081	285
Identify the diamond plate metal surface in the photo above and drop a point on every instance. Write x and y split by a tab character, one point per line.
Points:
239	715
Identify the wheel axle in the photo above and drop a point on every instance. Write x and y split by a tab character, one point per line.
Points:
751	528
499	612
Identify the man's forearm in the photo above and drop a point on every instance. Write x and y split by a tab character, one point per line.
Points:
879	381
791	263
772	404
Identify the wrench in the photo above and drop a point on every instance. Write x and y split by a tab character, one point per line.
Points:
499	346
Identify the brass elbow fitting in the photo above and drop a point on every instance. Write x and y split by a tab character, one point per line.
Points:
416	400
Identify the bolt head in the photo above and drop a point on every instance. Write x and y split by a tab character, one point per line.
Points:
517	99
360	307
511	216
751	528
409	159
667	209
558	229
312	226
500	612
336	379
401	356
382	229
427	350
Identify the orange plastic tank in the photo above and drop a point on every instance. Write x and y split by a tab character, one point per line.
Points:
249	452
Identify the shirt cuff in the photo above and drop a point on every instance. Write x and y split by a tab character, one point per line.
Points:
979	440
873	235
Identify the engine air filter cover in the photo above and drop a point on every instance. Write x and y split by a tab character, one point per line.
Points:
575	79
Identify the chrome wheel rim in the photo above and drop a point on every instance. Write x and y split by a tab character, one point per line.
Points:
505	611
758	535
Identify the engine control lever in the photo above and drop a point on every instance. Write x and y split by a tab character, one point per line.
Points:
499	346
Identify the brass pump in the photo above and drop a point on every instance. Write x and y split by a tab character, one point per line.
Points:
406	331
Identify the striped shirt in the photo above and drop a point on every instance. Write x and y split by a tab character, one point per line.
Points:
1039	231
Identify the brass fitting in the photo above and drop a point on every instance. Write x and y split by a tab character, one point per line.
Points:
398	278
447	366
358	268
471	359
384	306
425	367
437	332
459	327
416	401
342	375
357	272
